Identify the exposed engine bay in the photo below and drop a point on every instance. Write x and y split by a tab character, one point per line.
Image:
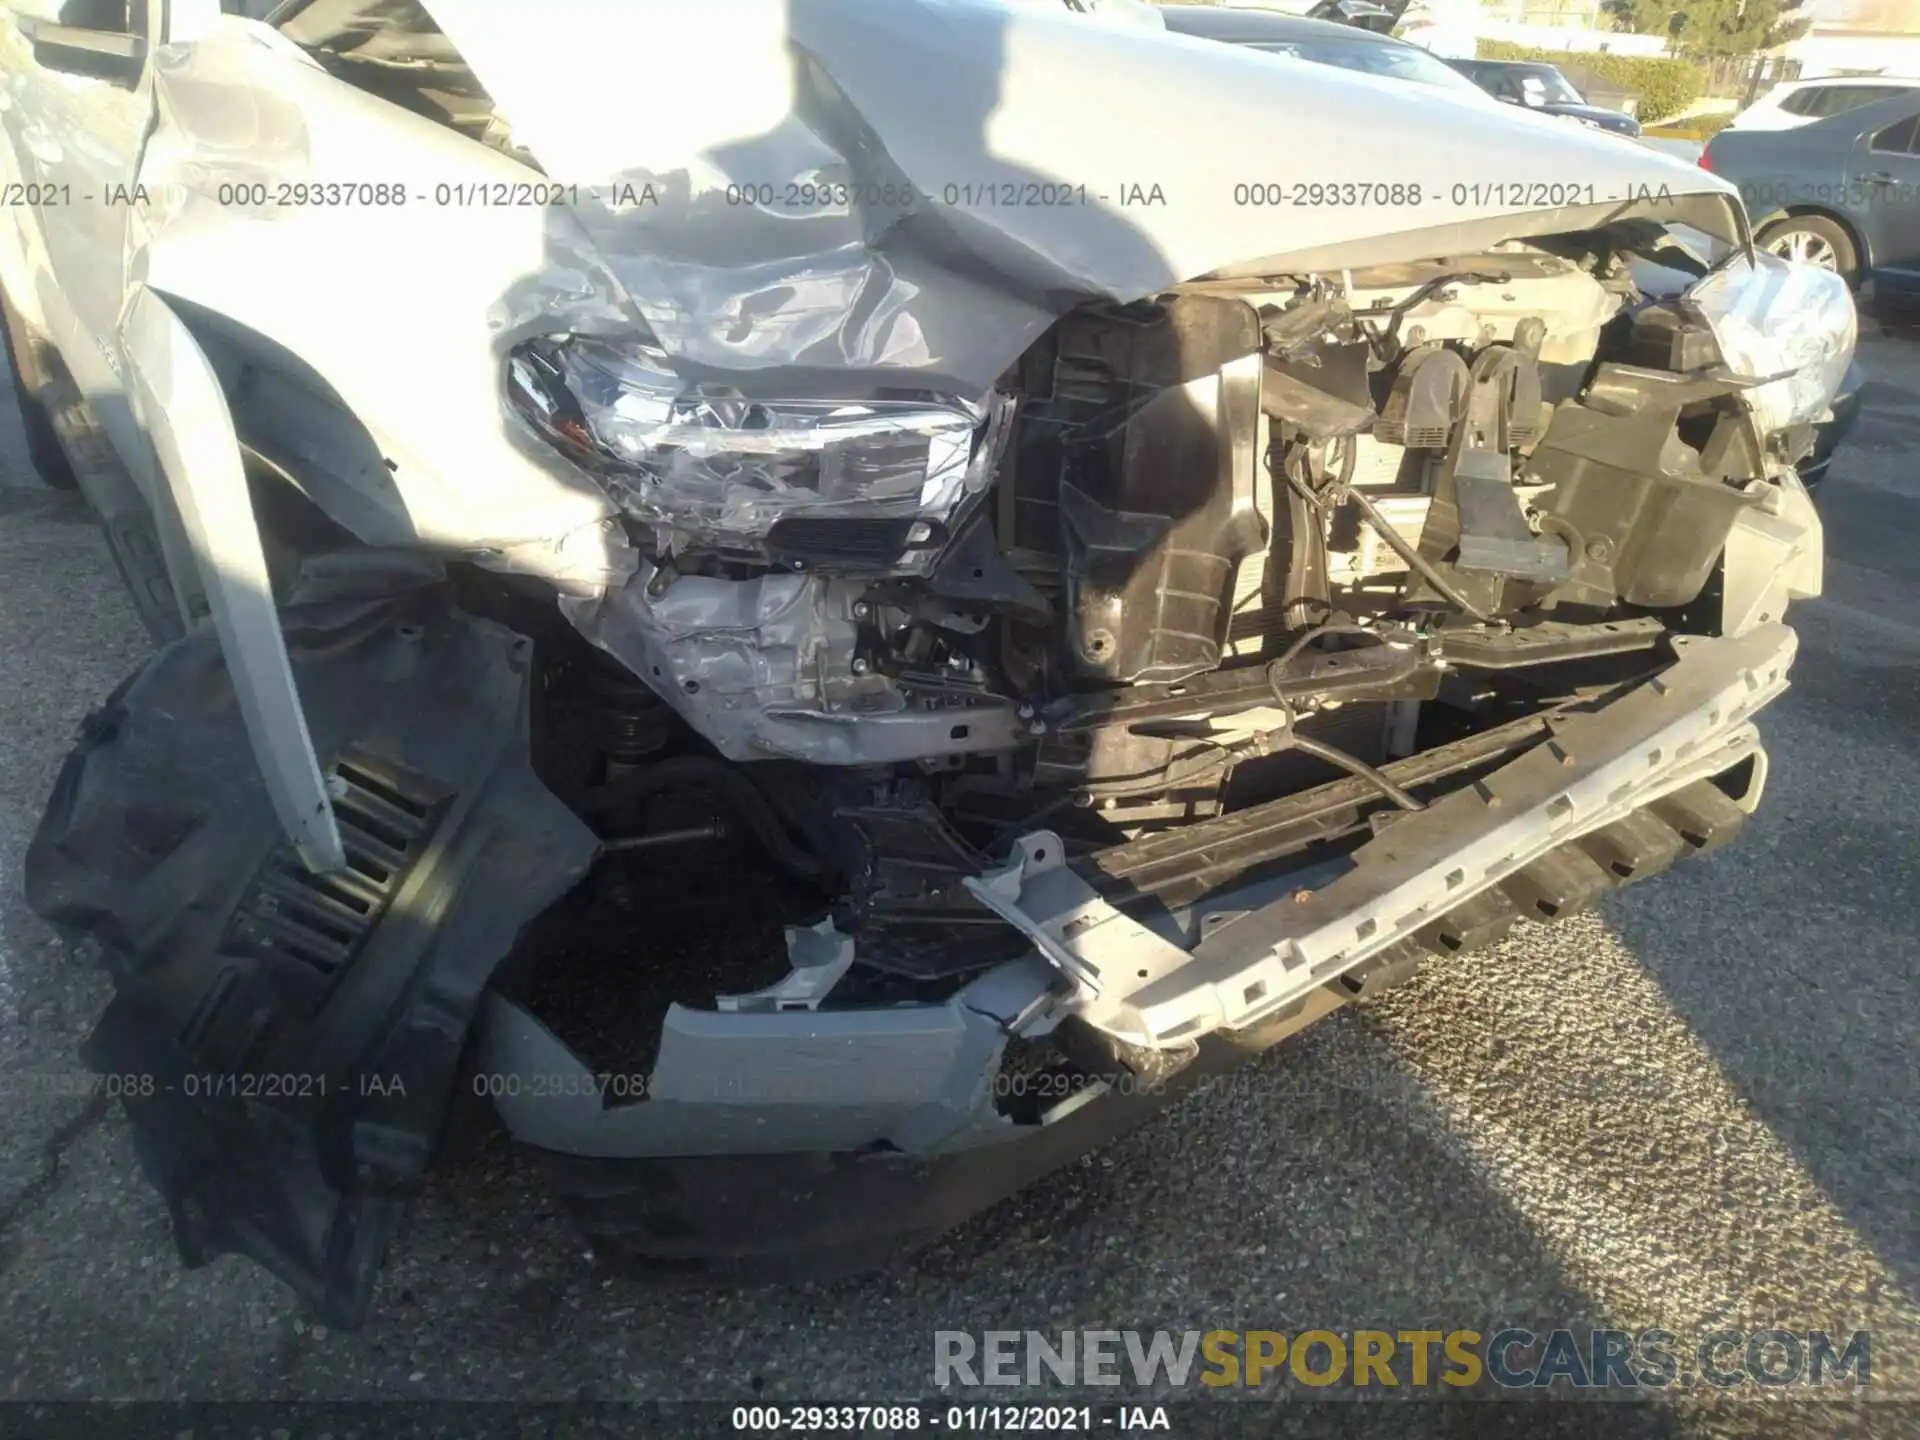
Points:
1205	551
832	715
1212	589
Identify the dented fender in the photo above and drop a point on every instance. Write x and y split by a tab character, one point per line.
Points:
373	343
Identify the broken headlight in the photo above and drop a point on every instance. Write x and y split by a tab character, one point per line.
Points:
716	466
1794	323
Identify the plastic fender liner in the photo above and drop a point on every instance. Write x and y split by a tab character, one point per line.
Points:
287	1042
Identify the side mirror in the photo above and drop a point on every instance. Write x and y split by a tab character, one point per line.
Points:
97	54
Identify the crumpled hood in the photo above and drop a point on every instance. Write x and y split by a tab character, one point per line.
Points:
920	185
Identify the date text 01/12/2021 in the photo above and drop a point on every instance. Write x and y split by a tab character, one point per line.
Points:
1265	193
345	194
1343	194
199	1085
959	1419
616	1087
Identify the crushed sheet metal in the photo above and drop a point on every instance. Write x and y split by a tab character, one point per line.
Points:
181	406
456	473
1101	949
918	1077
1688	724
763	667
827	211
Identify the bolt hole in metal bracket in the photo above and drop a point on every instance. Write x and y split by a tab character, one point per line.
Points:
1688	724
1105	953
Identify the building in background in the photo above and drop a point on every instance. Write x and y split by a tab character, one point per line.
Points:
1858	37
1553	14
1449	28
1865	37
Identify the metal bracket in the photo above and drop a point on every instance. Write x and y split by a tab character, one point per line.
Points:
1494	535
1106	953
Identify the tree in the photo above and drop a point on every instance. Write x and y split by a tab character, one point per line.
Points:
1715	27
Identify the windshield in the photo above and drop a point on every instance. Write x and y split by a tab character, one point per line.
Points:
1394	62
1548	85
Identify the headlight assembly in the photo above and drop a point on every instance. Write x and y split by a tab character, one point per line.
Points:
719	467
1791	325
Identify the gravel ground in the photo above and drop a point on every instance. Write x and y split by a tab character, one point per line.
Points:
1698	1108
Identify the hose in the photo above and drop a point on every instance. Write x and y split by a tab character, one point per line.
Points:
1293	467
1382	342
1354	766
1278	668
1306	744
1395	540
730	785
1398	544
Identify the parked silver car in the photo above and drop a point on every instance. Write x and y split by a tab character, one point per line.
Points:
854	623
1801	102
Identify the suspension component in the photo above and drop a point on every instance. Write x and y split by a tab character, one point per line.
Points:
630	722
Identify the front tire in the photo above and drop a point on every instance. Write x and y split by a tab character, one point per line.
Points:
1813	240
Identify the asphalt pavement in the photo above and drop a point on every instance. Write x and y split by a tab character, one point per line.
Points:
1698	1108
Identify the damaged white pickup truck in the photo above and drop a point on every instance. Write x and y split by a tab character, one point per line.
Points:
784	592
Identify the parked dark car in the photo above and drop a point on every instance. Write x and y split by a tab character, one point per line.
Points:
1846	187
1323	42
1541	87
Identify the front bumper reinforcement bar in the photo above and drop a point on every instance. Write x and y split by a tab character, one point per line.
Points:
1689	723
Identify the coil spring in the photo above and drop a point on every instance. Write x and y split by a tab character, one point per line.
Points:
630	722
